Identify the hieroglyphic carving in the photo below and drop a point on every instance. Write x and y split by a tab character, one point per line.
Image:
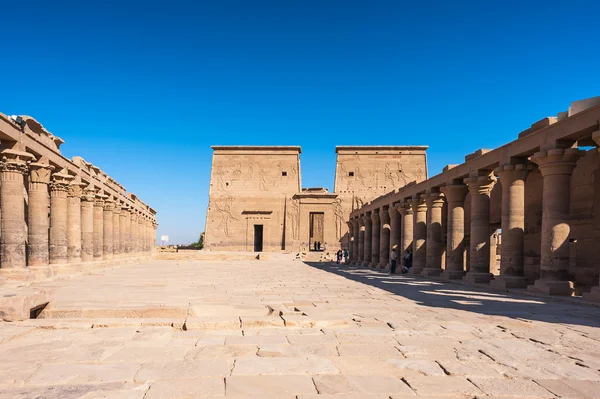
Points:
223	205
294	216
219	173
338	211
250	174
237	172
262	179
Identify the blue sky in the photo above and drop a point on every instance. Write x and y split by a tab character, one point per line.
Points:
143	88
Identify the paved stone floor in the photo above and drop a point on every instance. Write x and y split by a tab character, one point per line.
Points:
284	329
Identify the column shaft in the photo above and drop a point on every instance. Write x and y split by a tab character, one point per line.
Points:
117	231
395	232
435	235
368	238
74	232
98	227
419	234
107	227
37	214
361	241
87	225
480	187
59	217
375	238
384	240
455	250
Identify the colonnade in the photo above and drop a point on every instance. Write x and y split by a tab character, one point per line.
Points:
52	217
416	223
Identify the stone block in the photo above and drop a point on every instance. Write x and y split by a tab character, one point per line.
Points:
261	321
197	387
213	323
511	387
51	374
283	366
443	386
564	288
263	385
298	321
185	369
363	384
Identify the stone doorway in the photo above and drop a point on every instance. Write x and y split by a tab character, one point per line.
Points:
316	229
258	238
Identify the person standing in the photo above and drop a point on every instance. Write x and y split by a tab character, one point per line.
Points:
393	257
407	261
339	256
345	255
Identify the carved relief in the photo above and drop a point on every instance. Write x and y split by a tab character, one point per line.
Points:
224	208
338	211
237	172
40	174
262	179
294	217
219	173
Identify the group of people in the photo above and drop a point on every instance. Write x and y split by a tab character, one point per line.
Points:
406	260
342	254
317	245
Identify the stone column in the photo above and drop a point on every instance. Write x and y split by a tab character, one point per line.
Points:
394	218
37	214
107	227
375	238
13	230
355	244
480	186
59	217
556	166
361	241
87	224
99	226
133	233
74	232
406	236
368	238
435	234
384	240
350	240
117	231
140	234
419	234
512	179
123	219
455	250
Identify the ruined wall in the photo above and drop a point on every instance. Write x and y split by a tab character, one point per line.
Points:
251	186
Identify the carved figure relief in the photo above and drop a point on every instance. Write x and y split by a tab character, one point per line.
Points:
262	179
388	176
294	216
338	211
294	170
358	202
402	178
237	172
250	175
224	208
220	178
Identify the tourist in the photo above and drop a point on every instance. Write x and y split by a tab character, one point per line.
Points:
345	255
407	261
393	257
318	245
339	256
315	245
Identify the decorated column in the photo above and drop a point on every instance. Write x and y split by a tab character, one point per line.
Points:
123	230
375	235
350	240
406	236
37	213
384	241
512	179
59	188
435	234
99	226
419	234
395	233
12	188
74	232
480	185
368	237
455	250
361	241
556	166
134	233
87	224
107	225
117	230
356	241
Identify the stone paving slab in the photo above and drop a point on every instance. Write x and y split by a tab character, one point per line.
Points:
311	331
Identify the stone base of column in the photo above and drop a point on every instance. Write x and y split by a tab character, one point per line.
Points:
382	266
365	264
478	278
593	295
552	287
431	272
453	274
415	271
16	274
506	282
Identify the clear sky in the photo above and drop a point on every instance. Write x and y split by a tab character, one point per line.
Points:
143	88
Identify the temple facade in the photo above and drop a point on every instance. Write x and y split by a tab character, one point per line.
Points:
59	215
539	193
257	203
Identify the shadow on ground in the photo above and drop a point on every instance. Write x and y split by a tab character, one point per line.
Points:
443	294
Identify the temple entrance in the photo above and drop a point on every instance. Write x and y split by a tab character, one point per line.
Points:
258	238
316	226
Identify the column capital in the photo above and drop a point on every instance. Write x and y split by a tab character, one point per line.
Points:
404	208
117	208
384	214
417	203
455	192
60	182
99	200
393	211
109	205
75	189
375	216
366	219
434	200
88	194
14	160
480	182
557	161
39	172
510	173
